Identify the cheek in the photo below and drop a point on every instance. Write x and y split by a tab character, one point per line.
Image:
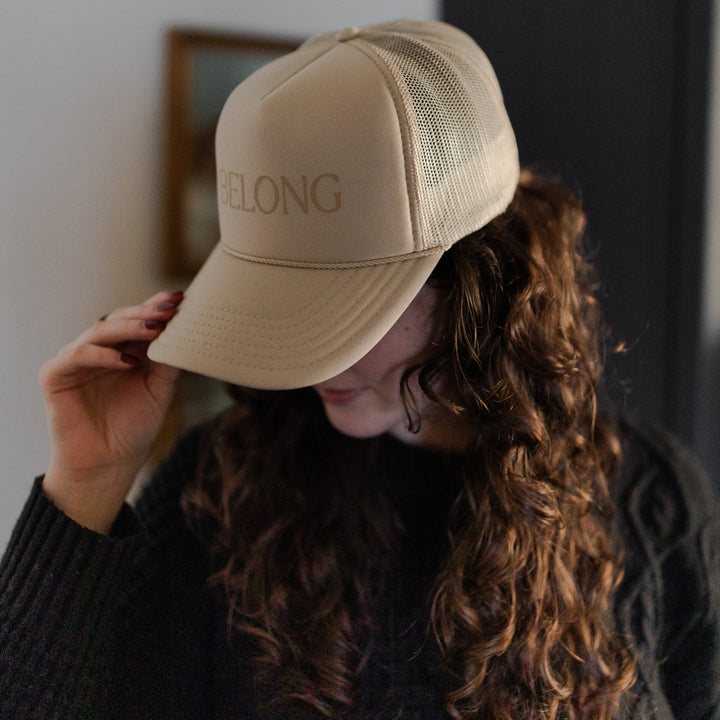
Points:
408	342
387	361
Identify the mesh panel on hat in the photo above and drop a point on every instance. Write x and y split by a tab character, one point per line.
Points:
464	156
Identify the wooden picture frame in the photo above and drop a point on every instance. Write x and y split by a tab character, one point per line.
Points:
203	67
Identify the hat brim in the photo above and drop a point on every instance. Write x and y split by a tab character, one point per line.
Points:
275	327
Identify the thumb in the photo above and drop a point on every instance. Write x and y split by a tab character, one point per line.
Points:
161	382
164	373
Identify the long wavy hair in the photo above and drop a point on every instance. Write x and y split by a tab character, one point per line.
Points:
522	610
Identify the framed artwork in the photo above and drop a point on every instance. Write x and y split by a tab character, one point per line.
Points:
203	67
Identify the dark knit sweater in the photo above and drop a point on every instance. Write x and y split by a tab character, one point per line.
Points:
124	627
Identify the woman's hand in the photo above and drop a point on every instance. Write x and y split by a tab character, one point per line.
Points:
106	402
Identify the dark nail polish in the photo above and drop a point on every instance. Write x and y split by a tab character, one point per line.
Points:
163	306
154	325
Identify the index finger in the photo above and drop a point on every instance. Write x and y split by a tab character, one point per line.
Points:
161	305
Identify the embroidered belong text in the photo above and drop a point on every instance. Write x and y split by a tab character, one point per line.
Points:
279	194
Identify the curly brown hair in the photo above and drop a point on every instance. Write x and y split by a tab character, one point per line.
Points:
523	604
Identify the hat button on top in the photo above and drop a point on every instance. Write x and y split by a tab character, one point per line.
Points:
347	34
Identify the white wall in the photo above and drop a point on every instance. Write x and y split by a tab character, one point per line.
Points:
81	88
81	92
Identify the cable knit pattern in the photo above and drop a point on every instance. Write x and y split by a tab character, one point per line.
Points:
122	627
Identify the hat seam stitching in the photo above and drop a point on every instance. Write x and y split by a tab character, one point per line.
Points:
256	320
197	334
217	358
216	317
391	83
296	72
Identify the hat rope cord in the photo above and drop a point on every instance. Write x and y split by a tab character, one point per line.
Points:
333	265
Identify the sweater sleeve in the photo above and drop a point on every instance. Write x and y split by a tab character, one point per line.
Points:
82	615
58	585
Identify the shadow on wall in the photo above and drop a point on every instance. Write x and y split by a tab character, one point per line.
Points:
707	428
611	97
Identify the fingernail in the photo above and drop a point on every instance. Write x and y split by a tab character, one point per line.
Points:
154	325
163	306
176	293
129	359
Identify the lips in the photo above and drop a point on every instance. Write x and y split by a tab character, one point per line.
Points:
339	397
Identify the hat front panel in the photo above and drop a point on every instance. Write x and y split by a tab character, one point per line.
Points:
313	171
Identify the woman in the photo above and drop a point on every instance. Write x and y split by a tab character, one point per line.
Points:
419	505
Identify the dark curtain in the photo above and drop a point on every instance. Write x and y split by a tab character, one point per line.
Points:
612	97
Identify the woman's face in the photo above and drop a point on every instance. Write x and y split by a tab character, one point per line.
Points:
365	400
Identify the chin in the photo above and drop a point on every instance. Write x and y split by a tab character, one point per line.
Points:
358	426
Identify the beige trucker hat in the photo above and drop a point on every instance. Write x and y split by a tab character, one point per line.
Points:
344	170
